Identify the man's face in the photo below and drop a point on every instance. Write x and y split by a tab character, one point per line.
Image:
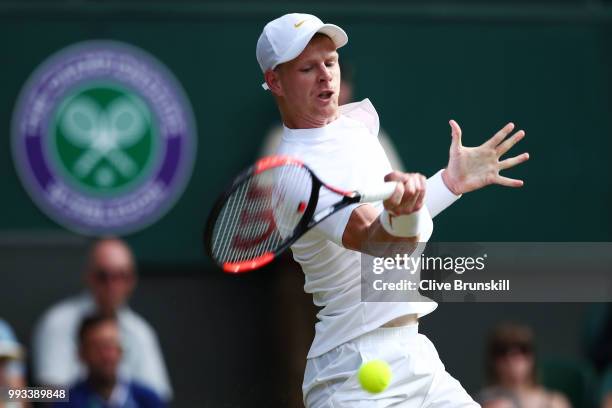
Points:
310	83
515	365
111	276
101	351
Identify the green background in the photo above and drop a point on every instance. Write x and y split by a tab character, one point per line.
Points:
547	72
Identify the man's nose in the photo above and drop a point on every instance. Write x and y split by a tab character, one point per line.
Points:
326	74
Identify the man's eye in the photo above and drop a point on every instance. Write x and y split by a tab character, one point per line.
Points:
305	69
330	63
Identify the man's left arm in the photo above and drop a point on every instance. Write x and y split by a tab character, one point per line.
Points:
472	168
438	197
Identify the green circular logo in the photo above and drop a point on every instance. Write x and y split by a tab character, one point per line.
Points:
103	139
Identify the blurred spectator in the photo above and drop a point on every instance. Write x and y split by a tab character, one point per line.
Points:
12	371
100	352
111	277
511	369
500	403
498	398
272	140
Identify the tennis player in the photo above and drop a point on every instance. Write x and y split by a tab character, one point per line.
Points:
298	56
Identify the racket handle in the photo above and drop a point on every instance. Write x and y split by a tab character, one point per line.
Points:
382	192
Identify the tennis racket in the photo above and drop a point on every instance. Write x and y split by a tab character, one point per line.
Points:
268	207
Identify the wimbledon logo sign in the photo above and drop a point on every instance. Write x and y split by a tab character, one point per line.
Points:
103	138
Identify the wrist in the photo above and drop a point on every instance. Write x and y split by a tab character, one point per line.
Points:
450	183
404	226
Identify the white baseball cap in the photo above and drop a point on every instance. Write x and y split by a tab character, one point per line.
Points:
286	37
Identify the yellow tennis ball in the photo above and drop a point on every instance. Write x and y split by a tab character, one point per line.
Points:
374	376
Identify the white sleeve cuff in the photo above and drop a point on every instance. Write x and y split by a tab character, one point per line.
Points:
408	225
437	196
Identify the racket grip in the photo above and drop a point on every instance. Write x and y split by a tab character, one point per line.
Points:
382	192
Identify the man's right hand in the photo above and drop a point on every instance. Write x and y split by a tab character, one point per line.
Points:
409	194
364	231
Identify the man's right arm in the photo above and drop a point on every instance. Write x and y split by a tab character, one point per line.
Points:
365	231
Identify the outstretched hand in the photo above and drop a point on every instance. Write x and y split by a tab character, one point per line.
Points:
471	168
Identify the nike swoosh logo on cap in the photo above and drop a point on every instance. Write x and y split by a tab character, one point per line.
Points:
297	25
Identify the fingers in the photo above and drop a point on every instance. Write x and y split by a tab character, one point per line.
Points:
395	176
508	182
455	135
508	143
395	200
421	186
500	135
513	161
508	163
409	193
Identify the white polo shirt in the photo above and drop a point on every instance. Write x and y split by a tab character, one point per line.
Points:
346	154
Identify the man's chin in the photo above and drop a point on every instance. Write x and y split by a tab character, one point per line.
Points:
104	377
329	112
109	309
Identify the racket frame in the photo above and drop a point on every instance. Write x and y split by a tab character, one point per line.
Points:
308	221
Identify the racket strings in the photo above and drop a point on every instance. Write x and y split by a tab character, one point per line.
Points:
261	213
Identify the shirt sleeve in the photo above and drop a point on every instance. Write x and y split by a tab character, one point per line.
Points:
146	397
54	353
437	196
333	227
151	367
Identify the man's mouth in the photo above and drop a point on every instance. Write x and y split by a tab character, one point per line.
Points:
326	95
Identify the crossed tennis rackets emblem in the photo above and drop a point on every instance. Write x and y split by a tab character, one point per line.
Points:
104	133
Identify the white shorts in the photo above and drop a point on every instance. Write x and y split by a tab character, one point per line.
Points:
418	376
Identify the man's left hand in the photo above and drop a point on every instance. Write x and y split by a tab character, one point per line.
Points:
471	168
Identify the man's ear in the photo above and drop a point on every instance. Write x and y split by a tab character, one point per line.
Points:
273	81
